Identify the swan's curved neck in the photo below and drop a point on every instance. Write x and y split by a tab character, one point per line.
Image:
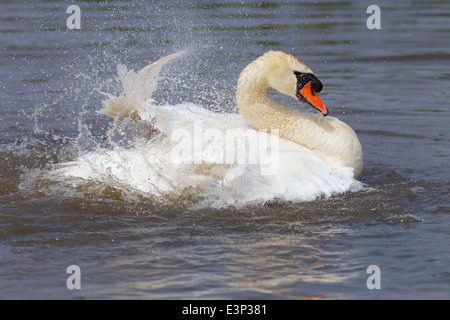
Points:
333	140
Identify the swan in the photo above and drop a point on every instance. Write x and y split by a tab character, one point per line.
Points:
331	138
319	155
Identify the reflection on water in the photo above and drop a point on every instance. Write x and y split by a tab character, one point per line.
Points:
281	265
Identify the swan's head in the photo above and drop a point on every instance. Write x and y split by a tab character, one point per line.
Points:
307	87
291	77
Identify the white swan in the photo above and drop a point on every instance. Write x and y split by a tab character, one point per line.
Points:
317	156
335	141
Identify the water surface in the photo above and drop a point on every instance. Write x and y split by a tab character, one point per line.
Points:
391	85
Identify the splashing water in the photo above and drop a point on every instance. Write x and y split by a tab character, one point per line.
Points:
186	153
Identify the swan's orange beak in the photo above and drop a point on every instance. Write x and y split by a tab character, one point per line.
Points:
311	97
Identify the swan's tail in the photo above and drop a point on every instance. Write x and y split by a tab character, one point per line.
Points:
138	89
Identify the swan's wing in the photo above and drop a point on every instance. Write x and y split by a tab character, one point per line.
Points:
147	78
138	88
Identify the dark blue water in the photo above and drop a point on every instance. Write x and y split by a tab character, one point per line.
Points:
391	85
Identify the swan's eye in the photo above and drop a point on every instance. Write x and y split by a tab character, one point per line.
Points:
317	85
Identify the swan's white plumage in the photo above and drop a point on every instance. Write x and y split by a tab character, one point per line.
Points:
304	171
330	138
